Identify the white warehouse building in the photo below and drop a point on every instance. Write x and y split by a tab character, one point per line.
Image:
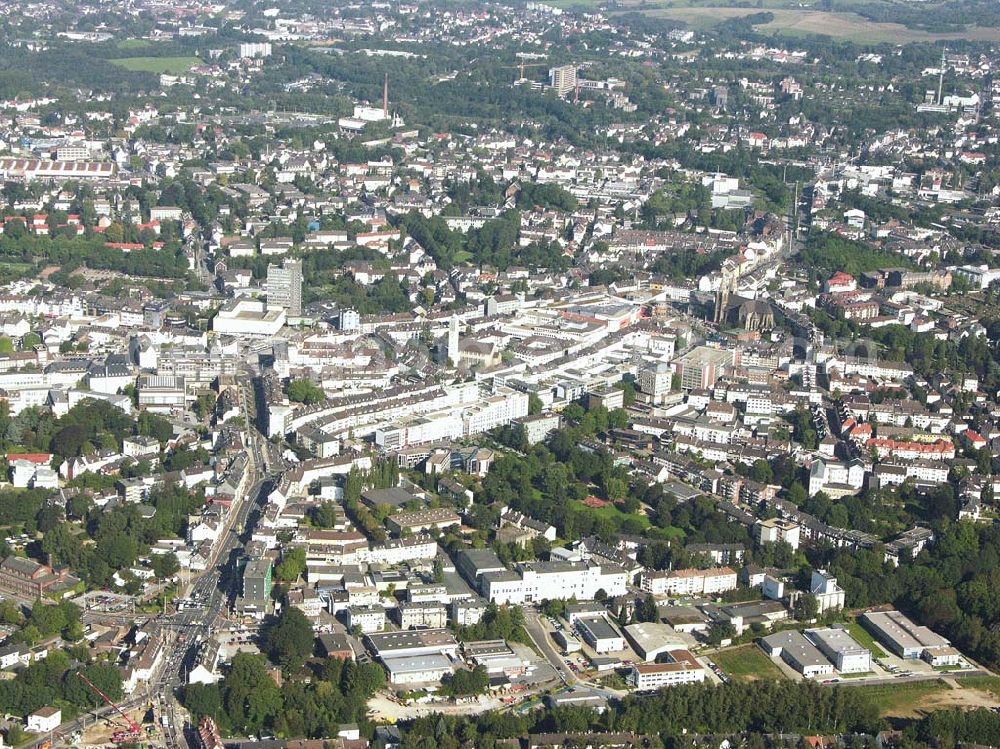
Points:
847	656
541	581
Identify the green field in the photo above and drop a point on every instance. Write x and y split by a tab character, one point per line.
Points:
746	663
901	698
173	65
133	44
796	22
611	512
989	684
865	639
791	18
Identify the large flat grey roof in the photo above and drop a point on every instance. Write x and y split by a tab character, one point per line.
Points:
798	648
835	640
599	627
905	633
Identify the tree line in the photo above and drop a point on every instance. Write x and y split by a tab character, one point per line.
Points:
248	701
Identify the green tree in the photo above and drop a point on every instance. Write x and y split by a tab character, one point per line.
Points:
293	564
104	676
326	515
806	607
305	391
761	471
647	611
289	641
464	681
203	699
984	461
251	697
719	631
164	565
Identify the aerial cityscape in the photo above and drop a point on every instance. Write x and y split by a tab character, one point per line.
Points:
517	375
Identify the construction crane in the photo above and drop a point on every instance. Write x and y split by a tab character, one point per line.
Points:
120	737
522	65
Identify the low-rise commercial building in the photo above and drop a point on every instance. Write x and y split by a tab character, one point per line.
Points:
600	634
681	667
846	654
795	650
419	669
650	640
422	520
412	643
902	636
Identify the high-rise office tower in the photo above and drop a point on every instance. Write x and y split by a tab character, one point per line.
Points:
563	79
284	286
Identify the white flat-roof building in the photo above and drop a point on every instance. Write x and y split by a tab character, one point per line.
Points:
553	580
417	669
367	618
901	635
795	650
162	392
689	581
248	317
412	643
600	634
847	656
652	639
681	668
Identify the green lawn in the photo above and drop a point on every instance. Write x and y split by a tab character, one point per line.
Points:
747	663
157	64
614	681
865	639
797	22
134	44
986	683
897	698
612	513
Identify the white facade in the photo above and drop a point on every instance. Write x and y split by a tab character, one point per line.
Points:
683	669
655	380
248	317
774	530
44	720
255	49
367	618
417	670
847	656
689	582
829	595
540	581
397	551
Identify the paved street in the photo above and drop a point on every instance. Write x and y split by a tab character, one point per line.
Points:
535	625
185	630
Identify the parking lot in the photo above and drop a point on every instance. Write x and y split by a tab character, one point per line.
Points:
882	670
240	639
104	601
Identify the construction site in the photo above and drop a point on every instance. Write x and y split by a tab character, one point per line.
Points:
129	725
